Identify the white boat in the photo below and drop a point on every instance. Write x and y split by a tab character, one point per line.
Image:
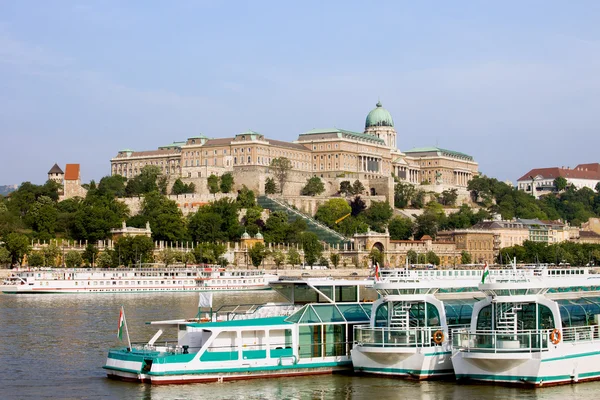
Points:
533	329
408	335
315	339
134	280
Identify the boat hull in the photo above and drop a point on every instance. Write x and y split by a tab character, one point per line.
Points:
410	363
566	364
130	367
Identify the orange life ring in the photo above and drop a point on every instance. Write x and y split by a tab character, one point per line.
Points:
438	337
555	336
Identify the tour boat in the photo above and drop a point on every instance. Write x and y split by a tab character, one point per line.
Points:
532	329
408	335
311	335
134	280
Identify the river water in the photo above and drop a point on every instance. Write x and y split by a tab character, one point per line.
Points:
54	346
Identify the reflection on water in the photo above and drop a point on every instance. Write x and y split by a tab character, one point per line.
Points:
54	346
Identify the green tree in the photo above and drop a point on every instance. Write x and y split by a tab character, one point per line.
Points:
104	259
335	259
597	187
132	250
560	183
378	215
167	256
5	257
181	188
412	256
246	198
112	186
480	188
42	217
346	188
51	254
164	217
213	183
357	187
278	258
73	259
18	246
465	257
90	254
226	182
313	249
333	209
449	197
35	259
357	205
403	194
376	257
206	226
270	186
400	228
281	167
293	257
432	258
257	253
252	220
314	186
145	182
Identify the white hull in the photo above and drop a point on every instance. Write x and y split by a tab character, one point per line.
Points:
413	362
563	364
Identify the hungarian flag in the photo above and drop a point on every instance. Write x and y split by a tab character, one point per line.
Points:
121	324
377	275
486	272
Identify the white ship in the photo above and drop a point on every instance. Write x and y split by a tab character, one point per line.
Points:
134	280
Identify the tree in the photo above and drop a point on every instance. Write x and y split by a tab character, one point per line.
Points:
403	194
281	167
480	188
346	188
432	258
90	254
257	253
42	217
400	228
597	187
167	256
5	257
313	249
465	257
205	226
181	188
411	255
560	183
132	250
226	182
314	186
332	210
449	197
246	198
35	259
270	186
213	184
376	256
112	186
51	253
357	205
293	257
378	215
104	259
357	187
335	259
278	258
145	182
73	259
18	246
164	217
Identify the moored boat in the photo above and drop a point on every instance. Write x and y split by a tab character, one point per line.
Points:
134	280
313	339
534	330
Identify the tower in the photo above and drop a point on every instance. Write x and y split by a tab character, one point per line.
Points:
379	123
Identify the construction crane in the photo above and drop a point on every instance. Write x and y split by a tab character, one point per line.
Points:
337	221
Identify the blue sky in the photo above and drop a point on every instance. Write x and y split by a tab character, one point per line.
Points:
513	83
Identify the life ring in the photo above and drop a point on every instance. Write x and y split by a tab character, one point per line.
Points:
555	336
438	337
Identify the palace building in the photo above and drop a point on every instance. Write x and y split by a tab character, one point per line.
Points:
332	154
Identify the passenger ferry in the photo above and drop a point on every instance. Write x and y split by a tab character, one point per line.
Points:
134	280
311	335
535	330
408	334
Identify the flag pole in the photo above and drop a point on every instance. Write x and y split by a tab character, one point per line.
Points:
126	329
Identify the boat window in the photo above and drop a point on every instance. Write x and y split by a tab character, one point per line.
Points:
346	294
546	320
484	319
310	341
329	313
327	291
433	315
335	340
280	343
381	315
354	312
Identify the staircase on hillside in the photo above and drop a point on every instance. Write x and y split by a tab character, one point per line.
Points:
323	232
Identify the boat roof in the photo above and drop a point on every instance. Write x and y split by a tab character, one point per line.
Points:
279	320
317	313
321	290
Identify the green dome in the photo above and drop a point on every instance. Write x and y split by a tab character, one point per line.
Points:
379	116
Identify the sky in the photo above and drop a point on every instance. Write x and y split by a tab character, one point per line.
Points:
515	84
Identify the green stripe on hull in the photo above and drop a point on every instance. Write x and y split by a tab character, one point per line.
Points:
535	380
590	354
402	371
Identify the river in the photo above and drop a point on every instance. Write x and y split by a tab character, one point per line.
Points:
54	346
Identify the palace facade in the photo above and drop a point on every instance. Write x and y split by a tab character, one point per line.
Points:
331	154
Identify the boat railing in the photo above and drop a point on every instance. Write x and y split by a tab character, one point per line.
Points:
168	347
522	340
230	312
368	336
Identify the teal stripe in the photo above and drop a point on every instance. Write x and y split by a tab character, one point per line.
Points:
133	371
511	378
592	353
253	369
438	353
406	371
